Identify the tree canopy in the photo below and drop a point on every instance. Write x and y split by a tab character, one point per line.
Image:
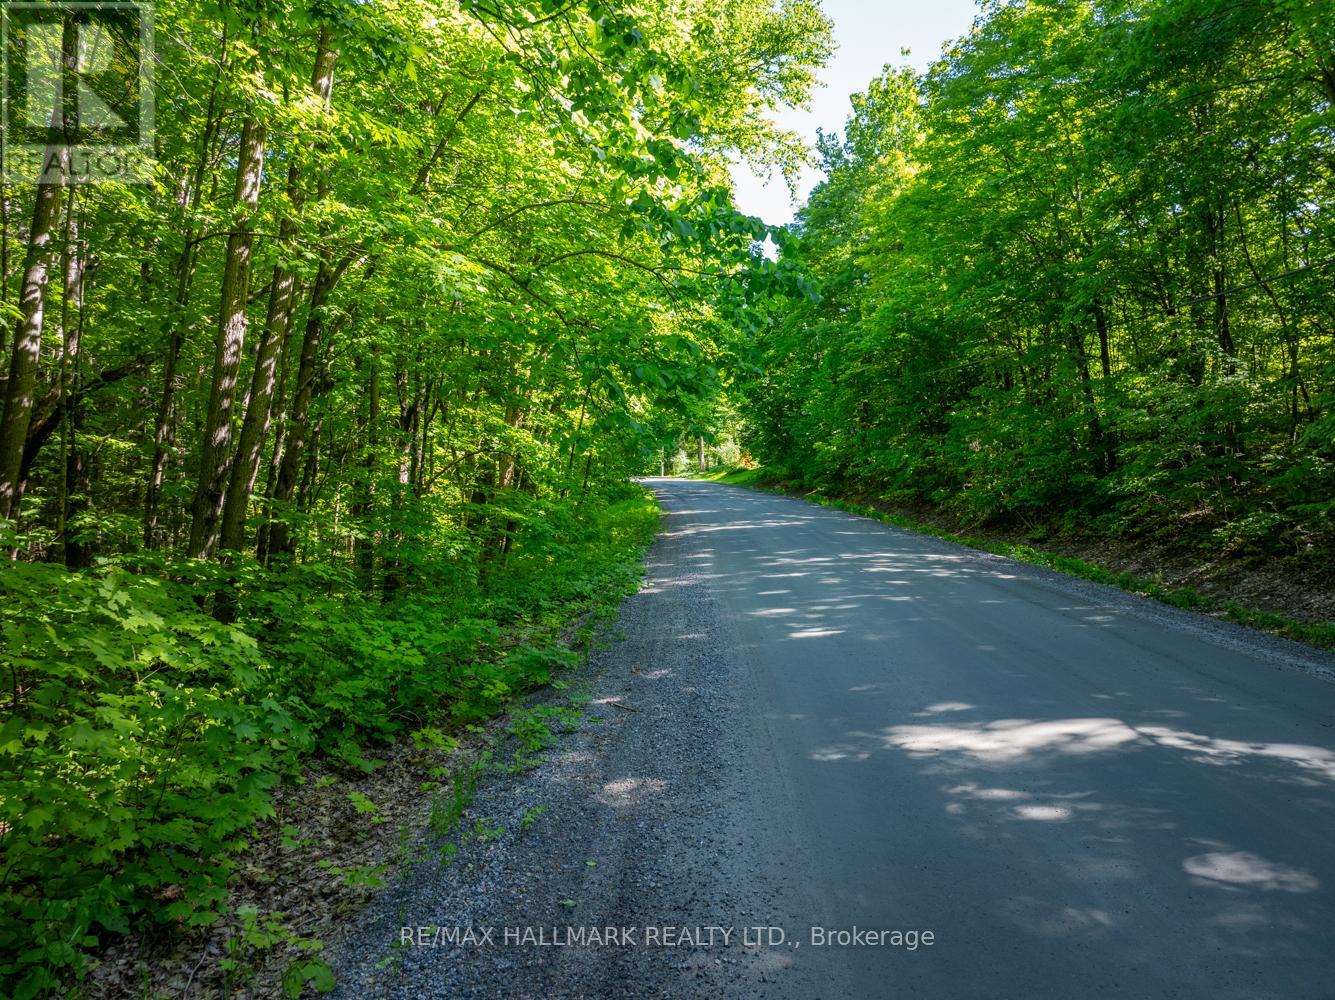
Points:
1080	270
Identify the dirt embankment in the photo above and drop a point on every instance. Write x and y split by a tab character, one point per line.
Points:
1293	588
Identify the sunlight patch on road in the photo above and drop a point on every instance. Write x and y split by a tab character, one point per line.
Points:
941	707
701	529
972	791
1012	740
840	752
1047	814
1248	870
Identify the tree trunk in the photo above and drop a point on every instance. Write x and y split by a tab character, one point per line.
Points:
74	479
21	387
361	510
278	323
217	436
278	538
1097	437
255	425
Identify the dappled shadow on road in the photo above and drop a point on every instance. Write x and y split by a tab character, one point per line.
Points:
866	567
1025	760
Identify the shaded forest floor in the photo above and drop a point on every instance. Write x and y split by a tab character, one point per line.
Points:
1289	596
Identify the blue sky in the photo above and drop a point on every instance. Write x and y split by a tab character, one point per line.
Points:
869	34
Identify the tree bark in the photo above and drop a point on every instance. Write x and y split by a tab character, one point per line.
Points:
74	481
361	510
278	539
278	324
21	386
217	436
1097	437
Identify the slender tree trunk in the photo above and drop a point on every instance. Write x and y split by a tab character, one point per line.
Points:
588	468
278	323
310	468
514	418
74	479
278	538
279	422
362	509
78	549
410	402
4	250
1105	352
1109	438
216	444
21	386
255	425
162	428
1097	437
1214	228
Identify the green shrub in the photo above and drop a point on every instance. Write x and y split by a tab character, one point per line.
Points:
142	740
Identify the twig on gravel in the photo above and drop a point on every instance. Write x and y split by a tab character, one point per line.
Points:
624	708
202	952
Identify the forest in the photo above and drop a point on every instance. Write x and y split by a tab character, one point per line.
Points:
1080	273
320	436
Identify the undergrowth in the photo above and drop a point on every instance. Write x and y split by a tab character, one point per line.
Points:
143	737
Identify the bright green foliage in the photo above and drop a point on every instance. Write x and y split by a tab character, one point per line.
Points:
1080	271
139	727
147	734
321	438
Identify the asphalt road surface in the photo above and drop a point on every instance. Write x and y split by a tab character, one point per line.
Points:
817	721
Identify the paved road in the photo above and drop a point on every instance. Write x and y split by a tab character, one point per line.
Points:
836	723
